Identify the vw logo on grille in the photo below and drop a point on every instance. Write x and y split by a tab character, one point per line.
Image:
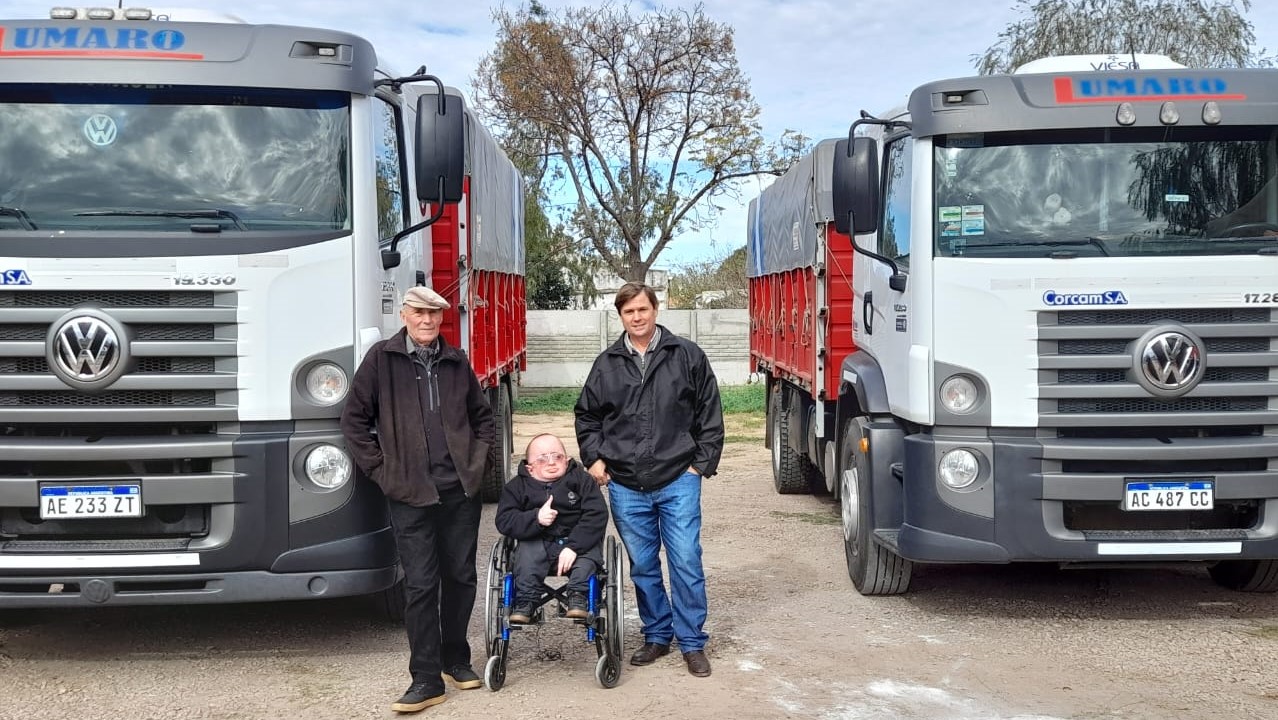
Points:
1169	361
86	349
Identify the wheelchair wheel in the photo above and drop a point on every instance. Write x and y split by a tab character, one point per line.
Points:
493	610
614	601
495	671
608	671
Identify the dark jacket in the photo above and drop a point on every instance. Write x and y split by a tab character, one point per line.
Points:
583	514
649	429
385	397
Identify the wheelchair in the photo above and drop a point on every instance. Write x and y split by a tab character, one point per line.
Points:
604	623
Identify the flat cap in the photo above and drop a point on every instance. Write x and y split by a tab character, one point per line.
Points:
424	297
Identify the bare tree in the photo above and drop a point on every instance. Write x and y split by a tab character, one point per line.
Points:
647	117
1197	33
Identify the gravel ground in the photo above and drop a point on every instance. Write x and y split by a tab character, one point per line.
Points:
791	638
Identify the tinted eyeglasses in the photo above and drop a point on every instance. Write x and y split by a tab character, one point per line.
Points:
547	458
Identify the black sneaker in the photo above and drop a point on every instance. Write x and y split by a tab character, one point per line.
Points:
418	697
521	614
578	607
462	677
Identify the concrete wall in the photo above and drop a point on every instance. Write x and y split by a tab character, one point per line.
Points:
562	344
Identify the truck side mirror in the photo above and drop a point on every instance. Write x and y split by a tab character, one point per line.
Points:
440	148
856	186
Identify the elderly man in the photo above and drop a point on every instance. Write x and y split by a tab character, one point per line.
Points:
649	422
418	424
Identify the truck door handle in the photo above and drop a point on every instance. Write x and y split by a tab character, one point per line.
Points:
867	309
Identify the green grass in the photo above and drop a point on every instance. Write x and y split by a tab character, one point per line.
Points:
561	400
737	400
811	518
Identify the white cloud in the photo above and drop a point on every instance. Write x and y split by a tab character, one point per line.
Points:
813	64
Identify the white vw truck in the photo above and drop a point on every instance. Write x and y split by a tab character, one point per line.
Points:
1065	293
203	227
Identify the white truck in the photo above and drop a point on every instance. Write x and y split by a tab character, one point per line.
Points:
1065	341
203	227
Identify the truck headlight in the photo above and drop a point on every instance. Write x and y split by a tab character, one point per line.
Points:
328	466
326	383
959	468
960	395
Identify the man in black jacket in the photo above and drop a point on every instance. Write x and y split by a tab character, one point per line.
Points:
649	420
428	454
556	512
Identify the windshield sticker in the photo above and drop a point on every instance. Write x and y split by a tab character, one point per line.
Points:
1108	297
1174	198
951	219
973	219
951	168
14	277
100	130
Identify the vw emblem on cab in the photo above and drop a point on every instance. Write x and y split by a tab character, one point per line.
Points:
86	349
1169	361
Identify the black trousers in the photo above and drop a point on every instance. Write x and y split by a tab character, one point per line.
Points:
437	547
533	560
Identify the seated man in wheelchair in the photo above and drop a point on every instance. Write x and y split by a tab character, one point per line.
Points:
555	510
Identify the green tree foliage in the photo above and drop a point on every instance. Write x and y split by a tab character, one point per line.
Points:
1197	33
720	283
557	266
644	119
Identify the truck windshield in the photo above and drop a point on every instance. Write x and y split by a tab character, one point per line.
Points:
1107	192
166	159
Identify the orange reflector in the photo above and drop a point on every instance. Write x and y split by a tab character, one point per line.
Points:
865	445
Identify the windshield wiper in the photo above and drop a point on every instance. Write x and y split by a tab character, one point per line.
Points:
1094	242
23	219
214	213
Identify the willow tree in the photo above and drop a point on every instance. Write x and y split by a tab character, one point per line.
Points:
1197	33
645	118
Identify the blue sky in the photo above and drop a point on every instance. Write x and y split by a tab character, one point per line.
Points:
812	64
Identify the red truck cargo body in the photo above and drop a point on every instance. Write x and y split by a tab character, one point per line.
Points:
800	286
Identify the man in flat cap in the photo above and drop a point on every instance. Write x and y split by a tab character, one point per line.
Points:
433	431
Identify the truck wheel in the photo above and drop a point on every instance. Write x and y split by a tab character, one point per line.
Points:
873	568
1246	575
499	455
788	474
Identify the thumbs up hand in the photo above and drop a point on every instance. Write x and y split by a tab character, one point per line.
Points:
546	514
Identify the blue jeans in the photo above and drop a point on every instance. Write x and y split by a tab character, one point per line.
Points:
671	517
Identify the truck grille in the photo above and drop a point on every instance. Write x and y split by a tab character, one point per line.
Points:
1100	427
182	346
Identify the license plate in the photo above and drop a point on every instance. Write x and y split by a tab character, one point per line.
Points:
74	502
1160	495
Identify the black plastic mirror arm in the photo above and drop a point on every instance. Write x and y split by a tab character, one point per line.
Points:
391	252
868	119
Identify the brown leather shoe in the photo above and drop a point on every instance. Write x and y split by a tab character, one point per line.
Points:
698	663
648	653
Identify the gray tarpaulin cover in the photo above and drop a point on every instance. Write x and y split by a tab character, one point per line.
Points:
496	200
782	229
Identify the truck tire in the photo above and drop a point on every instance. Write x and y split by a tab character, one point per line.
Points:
1246	575
788	475
499	455
873	568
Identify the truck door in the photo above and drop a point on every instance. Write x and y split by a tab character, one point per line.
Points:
883	313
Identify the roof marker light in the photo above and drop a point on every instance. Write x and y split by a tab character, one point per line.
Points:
326	51
100	14
137	14
1168	114
62	13
1126	114
1211	113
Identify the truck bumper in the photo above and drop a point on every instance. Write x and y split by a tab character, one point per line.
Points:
1022	508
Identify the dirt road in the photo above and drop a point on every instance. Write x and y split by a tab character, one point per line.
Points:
790	639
